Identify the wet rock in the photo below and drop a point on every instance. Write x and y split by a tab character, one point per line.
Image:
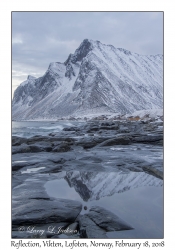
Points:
32	148
89	229
86	143
116	141
40	231
58	160
41	146
41	211
32	189
63	147
149	139
61	157
90	142
52	134
71	129
153	171
93	129
31	205
91	158
23	148
17	180
52	170
109	127
71	229
36	149
55	229
38	138
18	165
107	220
23	235
17	141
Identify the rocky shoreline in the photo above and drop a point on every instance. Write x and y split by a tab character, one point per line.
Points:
102	146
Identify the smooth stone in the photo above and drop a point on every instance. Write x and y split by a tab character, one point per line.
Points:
18	165
55	229
107	220
23	148
72	229
89	229
41	231
41	211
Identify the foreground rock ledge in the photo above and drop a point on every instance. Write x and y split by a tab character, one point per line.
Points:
98	221
41	211
107	220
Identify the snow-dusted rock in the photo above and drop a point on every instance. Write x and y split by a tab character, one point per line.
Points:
97	78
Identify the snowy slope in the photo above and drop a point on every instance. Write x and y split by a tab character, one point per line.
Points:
96	78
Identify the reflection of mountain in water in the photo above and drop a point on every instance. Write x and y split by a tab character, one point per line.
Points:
79	186
95	185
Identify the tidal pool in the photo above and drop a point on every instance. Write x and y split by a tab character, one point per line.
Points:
137	198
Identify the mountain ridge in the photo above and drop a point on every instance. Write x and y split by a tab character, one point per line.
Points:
96	78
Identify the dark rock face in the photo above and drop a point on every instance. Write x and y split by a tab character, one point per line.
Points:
153	139
107	220
17	141
116	141
89	229
82	51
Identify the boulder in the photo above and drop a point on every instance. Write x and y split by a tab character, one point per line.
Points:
107	220
44	211
62	147
23	148
89	229
17	141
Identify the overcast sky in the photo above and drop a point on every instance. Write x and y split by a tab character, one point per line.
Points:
39	38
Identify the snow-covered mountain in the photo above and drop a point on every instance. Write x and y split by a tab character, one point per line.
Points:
97	78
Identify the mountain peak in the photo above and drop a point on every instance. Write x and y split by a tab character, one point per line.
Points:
97	78
85	47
